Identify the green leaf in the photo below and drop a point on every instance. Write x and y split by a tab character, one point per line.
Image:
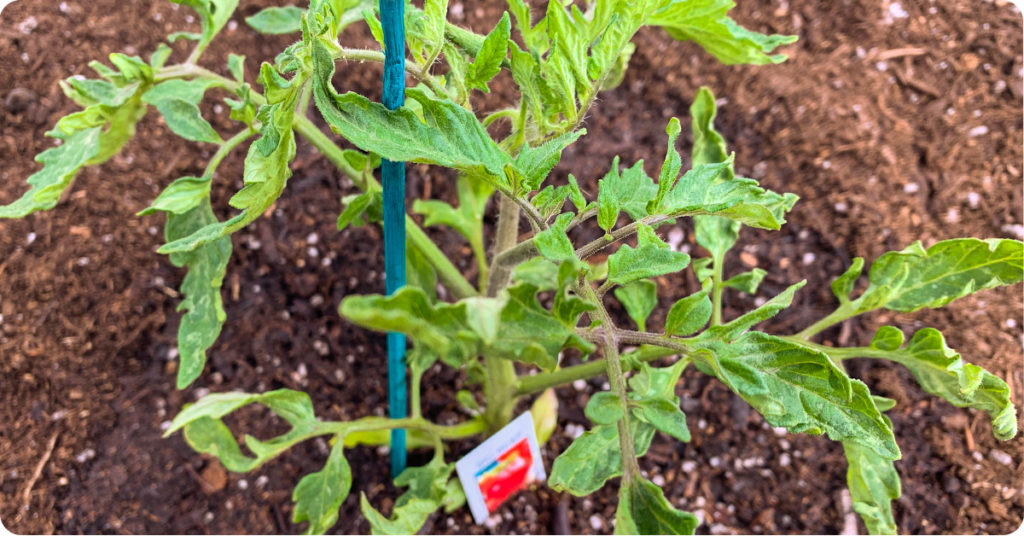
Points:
420	273
536	162
665	416
843	285
213	15
368	203
492	53
441	327
266	165
428	491
652	257
178	101
747	281
670	167
532	334
747	320
604	408
318	495
60	165
293	406
277	20
201	324
594	457
874	484
467	219
914	278
181	196
628	191
643	509
798	388
653	399
236	66
639	298
447	135
553	244
159	56
689	314
706	22
941	371
211	436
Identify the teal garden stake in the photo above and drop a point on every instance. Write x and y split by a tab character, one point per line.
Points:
392	13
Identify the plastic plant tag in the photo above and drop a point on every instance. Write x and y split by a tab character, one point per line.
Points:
502	465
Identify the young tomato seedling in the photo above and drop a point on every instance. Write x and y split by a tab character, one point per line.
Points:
534	298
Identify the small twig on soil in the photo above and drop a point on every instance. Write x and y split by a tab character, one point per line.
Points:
26	495
900	52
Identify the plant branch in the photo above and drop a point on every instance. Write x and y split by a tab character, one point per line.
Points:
619	234
716	289
616	377
504	241
225	149
843	312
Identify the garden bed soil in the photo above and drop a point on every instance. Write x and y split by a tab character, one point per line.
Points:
892	122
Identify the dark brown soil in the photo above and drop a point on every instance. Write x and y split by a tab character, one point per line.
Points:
890	129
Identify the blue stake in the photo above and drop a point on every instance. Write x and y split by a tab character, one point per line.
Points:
392	14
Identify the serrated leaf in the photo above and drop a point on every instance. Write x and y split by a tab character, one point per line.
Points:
266	165
706	22
746	281
553	244
747	320
669	168
874	484
536	162
277	20
798	388
653	399
594	457
532	334
211	436
428	491
604	408
441	327
178	101
689	314
651	257
318	495
915	278
639	298
60	165
447	135
941	371
488	61
628	191
204	317
643	509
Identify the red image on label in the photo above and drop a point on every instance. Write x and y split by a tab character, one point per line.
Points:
506	475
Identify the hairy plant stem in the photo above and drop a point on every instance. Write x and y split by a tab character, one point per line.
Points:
716	289
225	149
538	382
844	311
499	386
616	378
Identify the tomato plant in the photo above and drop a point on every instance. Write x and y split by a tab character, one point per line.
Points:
535	297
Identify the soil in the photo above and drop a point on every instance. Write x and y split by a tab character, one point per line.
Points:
892	121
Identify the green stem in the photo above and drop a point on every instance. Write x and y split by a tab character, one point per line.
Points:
716	290
499	386
462	430
225	149
539	382
477	245
844	311
616	378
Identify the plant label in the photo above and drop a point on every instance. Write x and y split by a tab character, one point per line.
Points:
502	465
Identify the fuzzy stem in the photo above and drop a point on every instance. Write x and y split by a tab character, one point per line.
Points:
844	311
617	379
716	290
